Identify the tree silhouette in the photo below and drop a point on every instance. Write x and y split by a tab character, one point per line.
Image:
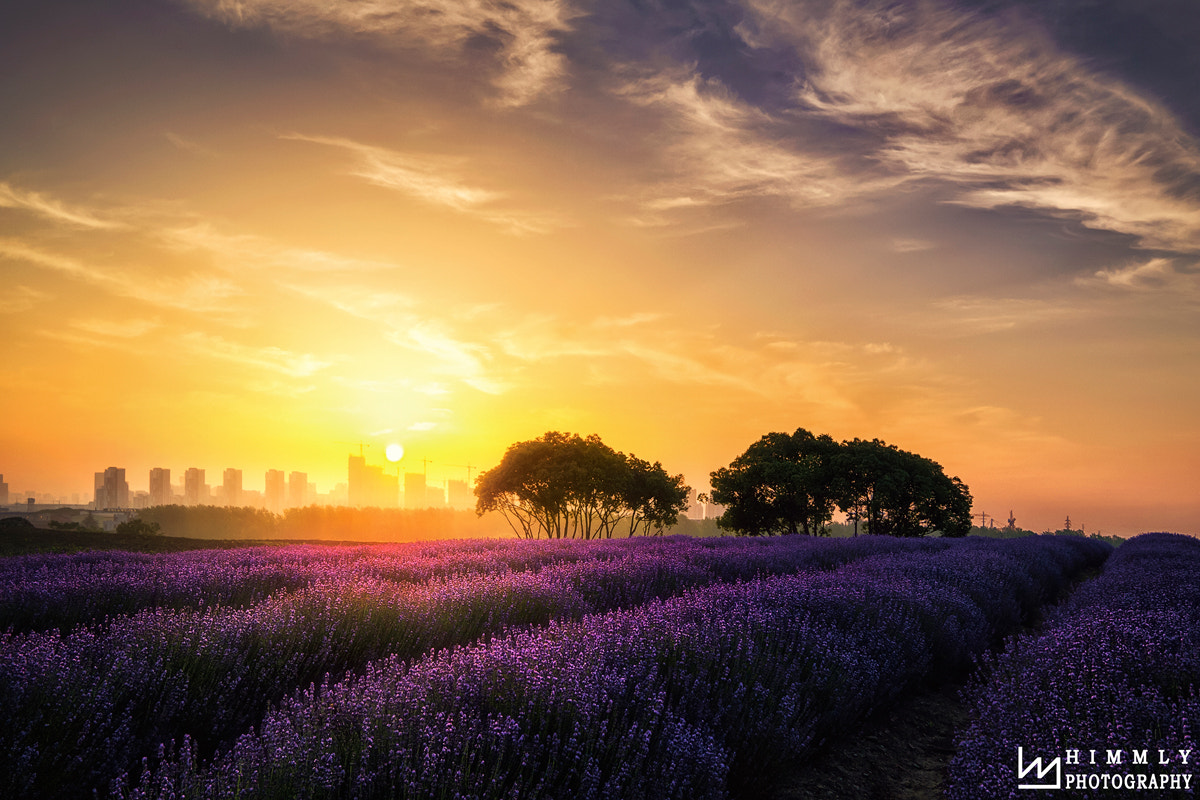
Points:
782	484
565	486
790	483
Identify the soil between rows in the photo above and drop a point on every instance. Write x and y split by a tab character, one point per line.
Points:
901	753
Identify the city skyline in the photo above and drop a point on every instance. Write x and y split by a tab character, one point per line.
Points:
257	234
366	485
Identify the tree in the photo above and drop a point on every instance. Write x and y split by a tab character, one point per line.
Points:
791	484
653	498
898	493
566	486
139	527
782	484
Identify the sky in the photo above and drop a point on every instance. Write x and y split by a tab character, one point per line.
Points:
256	233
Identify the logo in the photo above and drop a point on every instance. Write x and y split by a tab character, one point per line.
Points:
1119	769
1024	769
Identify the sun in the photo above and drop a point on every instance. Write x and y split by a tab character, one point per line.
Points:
394	452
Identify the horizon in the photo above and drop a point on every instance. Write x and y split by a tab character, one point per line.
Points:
254	235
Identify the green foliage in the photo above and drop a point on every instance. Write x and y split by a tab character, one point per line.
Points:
139	527
782	484
791	483
566	486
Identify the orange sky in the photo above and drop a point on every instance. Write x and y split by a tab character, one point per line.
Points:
246	234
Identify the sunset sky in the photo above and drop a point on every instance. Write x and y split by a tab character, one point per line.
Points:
247	234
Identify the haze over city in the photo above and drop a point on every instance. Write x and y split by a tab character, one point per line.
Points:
257	234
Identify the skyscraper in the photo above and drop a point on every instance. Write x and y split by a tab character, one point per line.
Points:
275	491
112	490
160	487
193	487
232	485
414	490
370	486
356	487
458	494
298	489
3	492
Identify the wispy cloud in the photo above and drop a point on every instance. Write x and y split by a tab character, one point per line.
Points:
525	31
468	362
272	359
436	181
190	146
52	209
1155	275
117	328
188	292
912	245
20	298
991	107
993	315
258	252
718	148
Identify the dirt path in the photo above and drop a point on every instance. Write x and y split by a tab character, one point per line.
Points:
899	754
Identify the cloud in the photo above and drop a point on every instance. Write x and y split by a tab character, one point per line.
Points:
717	148
912	245
52	209
272	359
465	361
992	315
189	146
991	109
1157	275
523	31
20	298
362	301
117	329
190	292
245	250
434	180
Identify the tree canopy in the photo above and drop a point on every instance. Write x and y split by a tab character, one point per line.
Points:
791	483
566	486
782	484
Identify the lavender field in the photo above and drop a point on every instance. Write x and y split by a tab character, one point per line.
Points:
641	668
1116	671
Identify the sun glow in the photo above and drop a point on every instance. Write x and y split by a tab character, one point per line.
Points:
394	452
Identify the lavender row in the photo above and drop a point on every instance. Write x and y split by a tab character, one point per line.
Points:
40	592
696	696
86	706
1117	669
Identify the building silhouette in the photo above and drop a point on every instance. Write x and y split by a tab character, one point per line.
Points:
414	490
112	490
369	485
458	494
195	491
3	492
275	491
160	487
231	487
298	489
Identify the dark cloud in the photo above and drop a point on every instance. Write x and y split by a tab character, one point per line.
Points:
709	35
1150	44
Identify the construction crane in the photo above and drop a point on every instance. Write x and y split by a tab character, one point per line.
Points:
360	446
467	467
